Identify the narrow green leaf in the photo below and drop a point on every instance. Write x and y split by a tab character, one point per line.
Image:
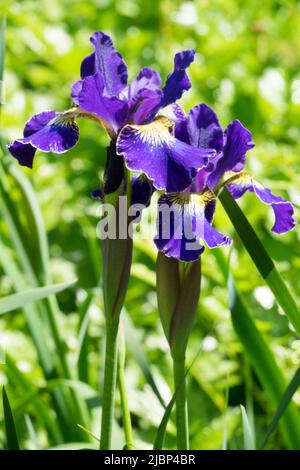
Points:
134	344
161	430
285	400
249	443
14	301
2	49
261	259
264	365
10	428
38	237
82	355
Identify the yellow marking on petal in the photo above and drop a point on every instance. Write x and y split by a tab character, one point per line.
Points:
156	133
242	179
199	199
169	113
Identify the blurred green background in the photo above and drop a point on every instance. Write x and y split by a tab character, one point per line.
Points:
247	67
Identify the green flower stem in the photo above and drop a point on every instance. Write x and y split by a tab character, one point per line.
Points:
123	394
181	404
110	376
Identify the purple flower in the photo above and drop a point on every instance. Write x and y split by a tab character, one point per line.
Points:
48	131
139	116
194	208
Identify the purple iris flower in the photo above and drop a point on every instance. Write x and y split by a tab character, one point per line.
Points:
139	117
180	235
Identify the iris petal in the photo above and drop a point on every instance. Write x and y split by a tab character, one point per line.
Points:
147	78
204	128
153	150
181	234
91	98
25	152
283	210
58	136
142	190
108	61
147	101
238	142
178	81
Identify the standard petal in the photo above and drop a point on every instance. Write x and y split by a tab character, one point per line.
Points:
178	81
147	101
153	150
91	98
238	142
107	61
75	90
283	210
204	129
146	79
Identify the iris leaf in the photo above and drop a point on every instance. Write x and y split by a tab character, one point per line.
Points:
249	443
285	400
261	258
12	302
134	344
10	428
264	364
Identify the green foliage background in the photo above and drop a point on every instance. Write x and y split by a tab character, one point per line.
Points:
247	67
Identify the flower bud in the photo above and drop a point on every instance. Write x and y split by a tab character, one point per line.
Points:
178	292
116	249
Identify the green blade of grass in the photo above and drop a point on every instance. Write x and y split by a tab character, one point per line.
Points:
12	302
82	355
249	443
38	237
2	55
284	402
10	428
261	259
264	365
134	344
161	430
31	400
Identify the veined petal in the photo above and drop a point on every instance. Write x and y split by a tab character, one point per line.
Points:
142	190
183	228
178	81
108	61
238	142
146	79
75	90
153	150
175	235
147	101
174	112
58	136
204	129
91	98
283	210
24	151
